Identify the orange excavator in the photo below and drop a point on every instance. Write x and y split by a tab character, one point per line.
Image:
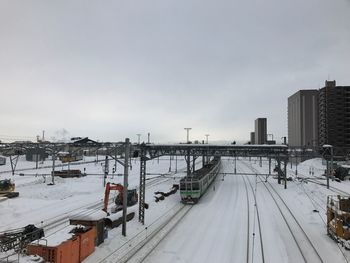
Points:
132	196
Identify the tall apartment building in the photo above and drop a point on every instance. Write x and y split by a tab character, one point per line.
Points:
260	131
334	115
303	118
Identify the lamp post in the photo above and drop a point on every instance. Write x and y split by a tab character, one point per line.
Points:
188	134
328	150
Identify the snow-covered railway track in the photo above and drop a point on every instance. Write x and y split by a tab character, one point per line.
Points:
306	247
259	225
332	188
62	221
50	166
139	247
302	240
252	232
248	220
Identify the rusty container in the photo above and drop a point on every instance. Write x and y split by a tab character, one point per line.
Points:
67	251
86	243
73	250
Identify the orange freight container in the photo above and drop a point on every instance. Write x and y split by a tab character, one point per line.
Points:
66	252
74	250
87	243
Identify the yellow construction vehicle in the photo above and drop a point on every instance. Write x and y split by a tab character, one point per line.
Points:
7	188
338	219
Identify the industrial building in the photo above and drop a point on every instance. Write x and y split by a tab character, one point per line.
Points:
334	115
36	154
260	131
303	118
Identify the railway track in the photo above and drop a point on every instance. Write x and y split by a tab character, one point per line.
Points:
62	221
306	247
248	220
302	240
257	216
322	207
50	166
332	188
140	246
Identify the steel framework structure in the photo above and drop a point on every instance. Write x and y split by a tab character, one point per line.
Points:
151	151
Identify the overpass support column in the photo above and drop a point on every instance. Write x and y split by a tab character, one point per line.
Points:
279	170
194	164
188	162
235	164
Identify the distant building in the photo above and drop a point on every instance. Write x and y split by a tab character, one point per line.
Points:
2	160
303	118
252	138
36	154
334	115
260	131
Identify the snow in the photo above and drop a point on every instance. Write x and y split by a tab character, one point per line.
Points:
89	215
57	238
214	230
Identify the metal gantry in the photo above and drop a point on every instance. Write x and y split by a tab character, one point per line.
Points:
151	151
281	153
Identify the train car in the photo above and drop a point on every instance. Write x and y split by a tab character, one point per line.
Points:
194	186
67	157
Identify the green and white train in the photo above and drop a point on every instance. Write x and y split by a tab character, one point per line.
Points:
193	186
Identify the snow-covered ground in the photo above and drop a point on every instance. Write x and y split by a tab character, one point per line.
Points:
225	226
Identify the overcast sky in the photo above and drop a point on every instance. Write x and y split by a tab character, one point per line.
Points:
112	69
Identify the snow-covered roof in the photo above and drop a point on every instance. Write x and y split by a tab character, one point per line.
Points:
89	215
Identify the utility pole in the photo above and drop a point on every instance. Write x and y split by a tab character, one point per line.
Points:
53	166
331	159
106	170
148	139
175	163
328	150
188	134
235	164
125	192
285	174
170	164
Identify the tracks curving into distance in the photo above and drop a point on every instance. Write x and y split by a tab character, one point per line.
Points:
163	230
248	220
306	247
251	232
256	210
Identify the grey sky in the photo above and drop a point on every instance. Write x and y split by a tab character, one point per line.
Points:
111	69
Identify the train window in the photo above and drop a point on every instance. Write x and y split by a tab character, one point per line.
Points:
195	186
182	186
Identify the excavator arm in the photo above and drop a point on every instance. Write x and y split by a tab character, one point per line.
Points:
109	187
